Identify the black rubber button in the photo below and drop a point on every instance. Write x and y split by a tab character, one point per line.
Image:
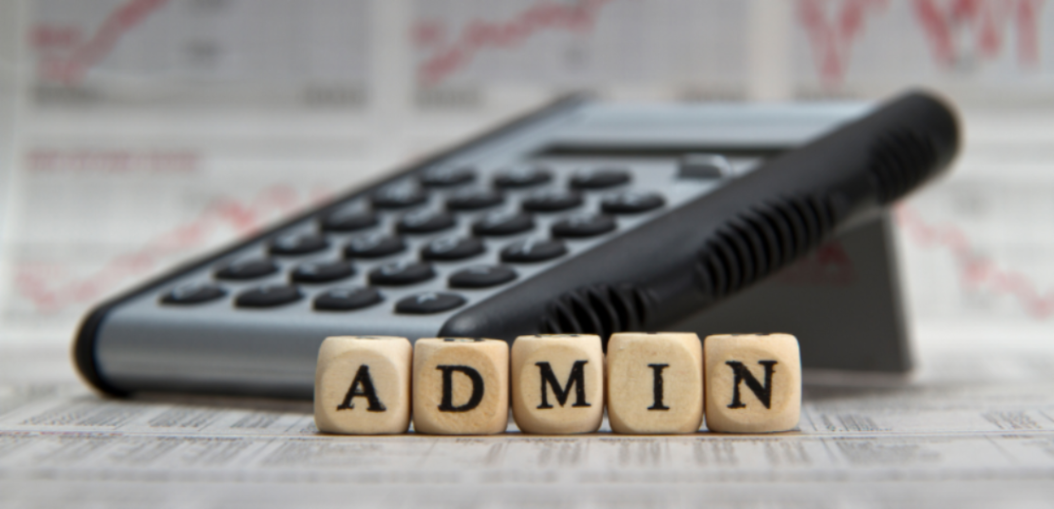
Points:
533	250
429	302
503	223
398	196
447	177
373	245
481	276
527	176
322	271
631	202
583	225
268	296
298	243
401	273
600	178
552	200
247	268
193	293
347	299
425	221
474	199
348	219
452	248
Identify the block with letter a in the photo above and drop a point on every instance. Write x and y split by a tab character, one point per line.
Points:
753	382
362	385
460	386
655	382
558	383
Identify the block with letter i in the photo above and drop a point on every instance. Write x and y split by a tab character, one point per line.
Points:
461	386
558	383
753	382
362	385
655	382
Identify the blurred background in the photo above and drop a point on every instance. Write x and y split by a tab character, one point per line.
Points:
137	133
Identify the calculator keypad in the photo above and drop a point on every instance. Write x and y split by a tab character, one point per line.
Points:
482	230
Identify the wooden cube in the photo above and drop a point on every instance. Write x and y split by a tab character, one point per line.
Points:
655	382
461	386
753	382
362	385
558	383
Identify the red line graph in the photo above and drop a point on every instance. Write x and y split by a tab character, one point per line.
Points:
479	35
71	69
986	21
831	40
974	270
36	282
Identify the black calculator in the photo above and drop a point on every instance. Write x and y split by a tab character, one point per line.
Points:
583	217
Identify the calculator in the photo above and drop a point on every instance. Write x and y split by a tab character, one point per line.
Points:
583	217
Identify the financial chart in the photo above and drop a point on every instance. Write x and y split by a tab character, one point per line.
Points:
147	131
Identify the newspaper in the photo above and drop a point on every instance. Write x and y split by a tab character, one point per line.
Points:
974	428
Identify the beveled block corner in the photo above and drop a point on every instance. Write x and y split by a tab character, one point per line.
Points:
655	382
362	385
558	383
753	382
461	386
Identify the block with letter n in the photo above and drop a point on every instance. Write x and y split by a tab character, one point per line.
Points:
362	385
753	382
558	383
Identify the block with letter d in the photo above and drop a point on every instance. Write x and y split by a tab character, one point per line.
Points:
753	382
558	383
461	386
362	385
655	382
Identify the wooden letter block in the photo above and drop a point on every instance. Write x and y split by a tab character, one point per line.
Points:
558	383
461	386
362	385
753	383
655	382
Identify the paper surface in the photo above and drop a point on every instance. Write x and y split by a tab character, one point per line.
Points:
974	429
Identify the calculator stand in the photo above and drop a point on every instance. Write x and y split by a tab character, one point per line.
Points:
843	302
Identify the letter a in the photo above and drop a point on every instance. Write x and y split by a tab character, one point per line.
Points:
363	380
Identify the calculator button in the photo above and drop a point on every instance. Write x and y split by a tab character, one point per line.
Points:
401	273
322	271
527	176
193	293
631	202
583	225
481	276
373	245
600	178
247	268
429	302
552	200
452	248
503	223
347	299
533	250
425	221
298	244
704	166
474	199
268	296
398	196
447	177
348	219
